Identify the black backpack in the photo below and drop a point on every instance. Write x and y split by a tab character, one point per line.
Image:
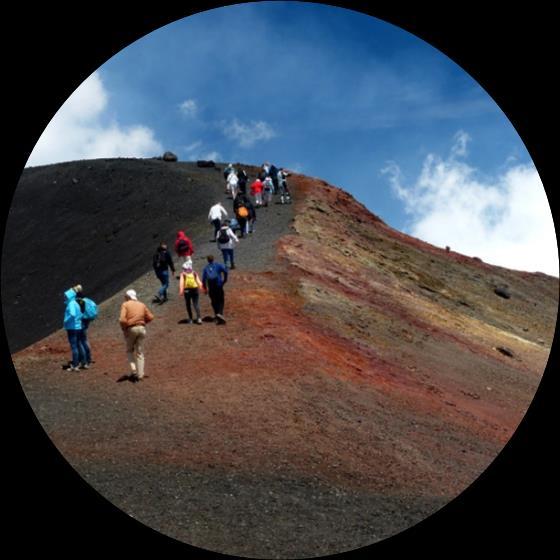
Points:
223	237
159	260
182	245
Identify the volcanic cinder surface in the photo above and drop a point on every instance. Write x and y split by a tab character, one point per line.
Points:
363	380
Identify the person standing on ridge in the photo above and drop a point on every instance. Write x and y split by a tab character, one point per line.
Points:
283	187
183	247
189	285
241	212
89	312
162	262
226	240
133	318
214	276
216	215
73	325
273	174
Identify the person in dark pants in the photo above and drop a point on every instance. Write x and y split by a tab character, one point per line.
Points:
214	276
189	284
162	262
73	326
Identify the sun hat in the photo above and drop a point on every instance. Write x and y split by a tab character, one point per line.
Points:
132	295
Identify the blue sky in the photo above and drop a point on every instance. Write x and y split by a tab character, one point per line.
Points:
330	93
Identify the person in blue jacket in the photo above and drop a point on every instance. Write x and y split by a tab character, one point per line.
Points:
214	276
73	325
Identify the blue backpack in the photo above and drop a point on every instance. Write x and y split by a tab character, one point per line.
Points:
89	308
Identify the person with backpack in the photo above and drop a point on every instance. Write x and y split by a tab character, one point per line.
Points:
214	276
268	188
216	215
242	181
241	213
273	174
189	284
89	313
73	324
232	182
226	239
161	263
256	191
183	247
285	197
133	318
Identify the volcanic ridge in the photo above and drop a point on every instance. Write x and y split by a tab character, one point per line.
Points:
363	380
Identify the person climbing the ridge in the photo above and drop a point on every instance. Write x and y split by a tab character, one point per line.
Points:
216	215
214	276
162	262
273	174
189	285
285	197
256	191
268	188
226	240
242	181
183	247
133	318
232	183
241	213
229	169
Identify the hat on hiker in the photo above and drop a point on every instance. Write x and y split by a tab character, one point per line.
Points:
187	266
132	295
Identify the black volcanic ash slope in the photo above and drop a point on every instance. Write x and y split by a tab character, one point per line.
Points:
93	222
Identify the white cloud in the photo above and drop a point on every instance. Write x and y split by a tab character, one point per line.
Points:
77	131
189	108
506	221
248	134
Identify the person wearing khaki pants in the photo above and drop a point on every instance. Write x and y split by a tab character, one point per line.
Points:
133	319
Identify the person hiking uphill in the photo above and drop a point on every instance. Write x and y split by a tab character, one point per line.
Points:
214	276
183	247
268	189
216	215
240	207
133	318
256	191
232	183
73	325
226	240
285	197
162	262
189	285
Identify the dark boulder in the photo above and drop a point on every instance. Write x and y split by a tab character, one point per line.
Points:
169	156
205	163
502	291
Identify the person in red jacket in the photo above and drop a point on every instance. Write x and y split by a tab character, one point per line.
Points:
256	191
183	247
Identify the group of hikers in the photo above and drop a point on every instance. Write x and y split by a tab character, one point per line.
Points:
135	315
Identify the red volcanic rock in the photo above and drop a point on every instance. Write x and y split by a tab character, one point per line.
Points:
362	375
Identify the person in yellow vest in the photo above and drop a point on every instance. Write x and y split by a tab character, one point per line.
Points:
189	286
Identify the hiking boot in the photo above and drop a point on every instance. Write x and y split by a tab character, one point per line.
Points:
84	366
220	319
156	299
134	378
70	367
189	321
199	321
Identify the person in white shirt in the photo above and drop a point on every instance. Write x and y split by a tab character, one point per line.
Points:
216	215
232	183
